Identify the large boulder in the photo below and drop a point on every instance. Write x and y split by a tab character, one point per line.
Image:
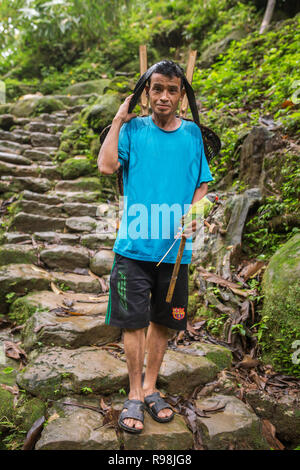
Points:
281	309
90	86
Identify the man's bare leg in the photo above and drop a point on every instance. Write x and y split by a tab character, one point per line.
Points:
134	346
156	344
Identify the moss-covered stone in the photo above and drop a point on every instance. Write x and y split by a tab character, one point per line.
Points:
102	112
88	87
48	104
80	184
34	105
74	167
281	308
4	108
21	310
28	413
14	254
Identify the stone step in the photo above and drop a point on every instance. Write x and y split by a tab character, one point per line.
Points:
42	126
30	223
49	326
42	198
94	241
41	139
53	118
56	238
220	355
81	224
37	155
234	428
89	184
34	207
49	150
45	375
80	209
57	210
65	257
79	196
14	136
91	241
55	371
31	170
82	429
14	254
21	278
77	429
15	237
14	146
14	158
17	184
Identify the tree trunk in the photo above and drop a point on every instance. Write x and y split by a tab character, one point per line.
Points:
267	16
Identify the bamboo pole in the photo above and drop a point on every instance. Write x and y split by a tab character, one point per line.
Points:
183	111
189	77
143	69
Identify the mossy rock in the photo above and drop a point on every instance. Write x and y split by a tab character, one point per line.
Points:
74	167
14	254
48	104
21	310
61	156
66	146
121	84
101	114
34	105
4	108
88	87
281	308
29	412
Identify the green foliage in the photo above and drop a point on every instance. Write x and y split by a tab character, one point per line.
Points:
277	332
260	237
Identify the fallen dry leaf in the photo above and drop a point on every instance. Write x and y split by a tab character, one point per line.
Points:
55	289
14	390
251	269
247	362
53	417
103	405
14	351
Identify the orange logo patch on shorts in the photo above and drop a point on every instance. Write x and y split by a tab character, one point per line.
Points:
178	313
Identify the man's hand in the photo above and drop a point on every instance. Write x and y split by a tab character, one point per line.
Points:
190	230
122	113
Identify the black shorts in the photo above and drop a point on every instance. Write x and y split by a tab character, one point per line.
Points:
138	291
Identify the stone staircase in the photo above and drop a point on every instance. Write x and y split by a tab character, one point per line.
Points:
55	261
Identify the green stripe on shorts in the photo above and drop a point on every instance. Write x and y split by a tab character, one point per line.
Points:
108	311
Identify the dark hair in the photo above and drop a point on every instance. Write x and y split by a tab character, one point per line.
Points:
168	68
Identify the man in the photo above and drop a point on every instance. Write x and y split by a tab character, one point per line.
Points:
164	165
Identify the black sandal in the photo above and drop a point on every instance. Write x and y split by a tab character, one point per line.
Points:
135	410
159	404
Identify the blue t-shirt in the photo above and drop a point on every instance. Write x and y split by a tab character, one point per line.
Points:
161	170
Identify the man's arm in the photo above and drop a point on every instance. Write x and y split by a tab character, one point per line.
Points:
108	156
200	192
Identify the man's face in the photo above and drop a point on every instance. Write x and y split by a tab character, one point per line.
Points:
164	93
